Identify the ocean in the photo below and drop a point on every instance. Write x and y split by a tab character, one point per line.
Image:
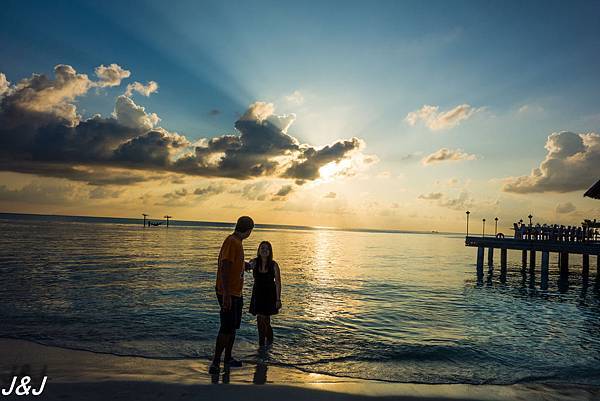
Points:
392	306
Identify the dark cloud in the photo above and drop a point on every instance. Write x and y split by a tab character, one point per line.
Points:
311	159
41	133
214	112
571	164
283	193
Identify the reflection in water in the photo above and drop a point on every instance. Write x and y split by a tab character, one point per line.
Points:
399	307
260	373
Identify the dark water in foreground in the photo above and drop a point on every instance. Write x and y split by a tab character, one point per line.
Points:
388	306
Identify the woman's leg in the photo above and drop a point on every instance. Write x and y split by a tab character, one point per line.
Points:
260	325
268	330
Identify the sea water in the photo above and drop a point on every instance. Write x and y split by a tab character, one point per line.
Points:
401	307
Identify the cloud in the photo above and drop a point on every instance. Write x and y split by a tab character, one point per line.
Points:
311	159
564	208
142	89
330	195
104	193
39	96
176	194
530	108
40	193
437	120
295	98
131	115
461	202
214	112
4	84
213	189
283	192
572	163
256	191
432	196
111	75
445	154
41	133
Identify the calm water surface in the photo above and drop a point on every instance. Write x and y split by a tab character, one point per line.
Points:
388	306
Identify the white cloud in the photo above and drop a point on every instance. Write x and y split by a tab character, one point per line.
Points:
445	154
110	75
131	115
572	163
437	120
295	97
142	89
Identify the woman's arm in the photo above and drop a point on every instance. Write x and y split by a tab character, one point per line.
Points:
277	284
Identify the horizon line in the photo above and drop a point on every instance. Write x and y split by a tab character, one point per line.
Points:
257	225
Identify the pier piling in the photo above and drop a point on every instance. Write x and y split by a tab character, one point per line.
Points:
585	270
524	259
480	251
545	270
564	264
503	254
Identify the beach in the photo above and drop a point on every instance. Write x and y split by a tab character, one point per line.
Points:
84	375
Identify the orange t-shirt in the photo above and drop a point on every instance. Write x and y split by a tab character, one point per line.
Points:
232	251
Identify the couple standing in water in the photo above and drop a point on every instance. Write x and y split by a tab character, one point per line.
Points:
266	292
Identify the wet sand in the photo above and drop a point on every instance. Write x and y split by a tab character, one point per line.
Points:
83	375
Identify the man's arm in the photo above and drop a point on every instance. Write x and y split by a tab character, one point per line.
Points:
225	279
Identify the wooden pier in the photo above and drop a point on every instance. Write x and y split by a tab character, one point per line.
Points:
532	247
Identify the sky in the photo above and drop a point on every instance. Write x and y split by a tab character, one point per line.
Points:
386	114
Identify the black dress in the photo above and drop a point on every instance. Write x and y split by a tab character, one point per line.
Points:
264	292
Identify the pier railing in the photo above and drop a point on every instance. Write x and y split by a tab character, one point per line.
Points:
588	247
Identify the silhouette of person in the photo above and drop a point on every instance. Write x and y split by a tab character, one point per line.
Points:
266	292
229	285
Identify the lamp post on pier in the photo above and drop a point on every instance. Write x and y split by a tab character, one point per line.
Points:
483	232
496	228
530	217
468	213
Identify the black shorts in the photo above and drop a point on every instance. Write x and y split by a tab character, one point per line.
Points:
231	319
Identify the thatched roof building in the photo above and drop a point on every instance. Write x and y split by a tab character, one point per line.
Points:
594	191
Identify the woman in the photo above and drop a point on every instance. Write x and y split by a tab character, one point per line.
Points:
266	292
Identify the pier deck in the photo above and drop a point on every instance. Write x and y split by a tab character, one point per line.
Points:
589	248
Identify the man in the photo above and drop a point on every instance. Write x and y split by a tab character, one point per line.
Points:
230	282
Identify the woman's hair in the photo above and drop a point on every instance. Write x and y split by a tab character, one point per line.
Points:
258	257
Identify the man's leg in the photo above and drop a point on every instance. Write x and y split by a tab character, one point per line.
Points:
229	346
223	339
236	319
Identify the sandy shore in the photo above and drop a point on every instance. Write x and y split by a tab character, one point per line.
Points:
82	375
